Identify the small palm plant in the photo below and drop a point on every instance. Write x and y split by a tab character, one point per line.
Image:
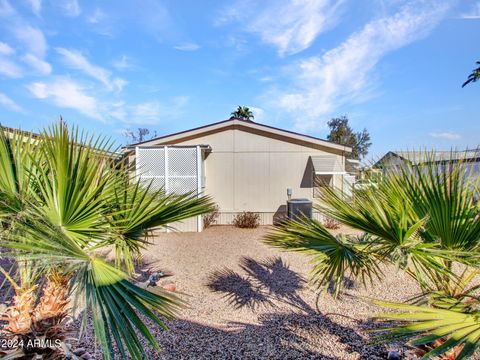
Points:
425	220
65	202
243	112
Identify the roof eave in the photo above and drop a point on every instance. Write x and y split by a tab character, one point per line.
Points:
239	122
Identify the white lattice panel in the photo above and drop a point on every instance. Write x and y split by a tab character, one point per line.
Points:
179	176
156	183
175	169
182	185
182	162
151	162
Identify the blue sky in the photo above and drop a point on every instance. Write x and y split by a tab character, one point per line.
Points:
394	67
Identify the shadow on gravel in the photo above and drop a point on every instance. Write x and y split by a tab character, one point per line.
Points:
263	282
301	333
305	334
278	336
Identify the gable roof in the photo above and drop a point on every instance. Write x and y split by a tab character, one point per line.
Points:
240	124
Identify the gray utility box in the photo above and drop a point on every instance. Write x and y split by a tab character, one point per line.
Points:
296	208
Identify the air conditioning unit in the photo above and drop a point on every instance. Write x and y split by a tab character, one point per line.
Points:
298	208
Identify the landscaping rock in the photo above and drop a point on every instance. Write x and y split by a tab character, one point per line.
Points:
394	355
79	351
246	300
152	280
170	287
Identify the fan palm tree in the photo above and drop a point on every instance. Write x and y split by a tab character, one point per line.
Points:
243	112
64	201
425	220
474	76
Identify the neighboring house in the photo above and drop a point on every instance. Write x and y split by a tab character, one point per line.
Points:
243	166
397	158
471	159
10	131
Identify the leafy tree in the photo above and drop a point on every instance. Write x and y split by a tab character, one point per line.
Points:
139	135
243	112
474	76
342	133
65	201
423	219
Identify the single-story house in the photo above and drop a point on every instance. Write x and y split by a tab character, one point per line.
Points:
243	166
397	158
470	159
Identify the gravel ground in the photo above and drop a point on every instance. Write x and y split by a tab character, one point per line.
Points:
248	300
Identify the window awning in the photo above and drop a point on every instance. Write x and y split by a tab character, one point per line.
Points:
352	166
327	165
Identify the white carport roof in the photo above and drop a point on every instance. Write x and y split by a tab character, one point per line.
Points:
327	165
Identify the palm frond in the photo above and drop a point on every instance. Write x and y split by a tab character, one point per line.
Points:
112	299
138	210
474	76
115	302
427	325
72	183
81	204
444	191
16	157
334	257
382	212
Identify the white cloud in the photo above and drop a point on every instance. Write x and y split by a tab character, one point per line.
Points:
8	103
154	16
10	69
474	12
5	8
265	78
97	16
64	92
5	49
320	84
154	112
148	112
258	113
67	93
187	47
32	38
71	7
445	135
76	60
103	23
123	63
119	83
291	26
7	66
118	111
36	6
40	66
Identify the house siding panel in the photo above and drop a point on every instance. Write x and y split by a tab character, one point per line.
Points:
247	171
